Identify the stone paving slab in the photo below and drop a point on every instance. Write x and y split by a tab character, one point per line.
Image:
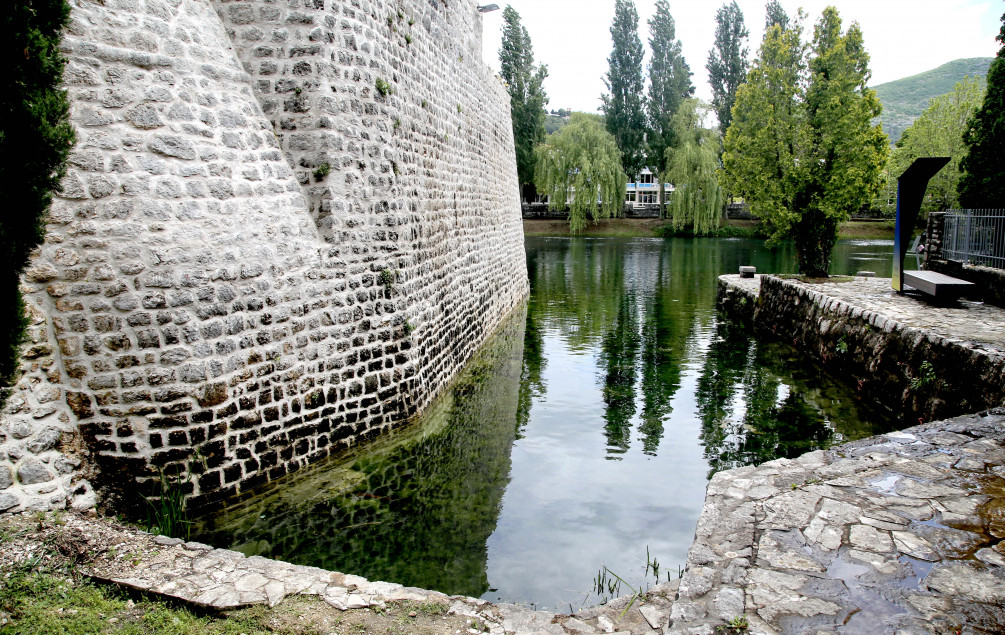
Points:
897	533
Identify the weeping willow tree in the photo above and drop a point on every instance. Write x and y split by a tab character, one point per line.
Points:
580	166
691	167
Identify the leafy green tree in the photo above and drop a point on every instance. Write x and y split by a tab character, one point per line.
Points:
692	166
938	132
982	184
669	84
35	139
625	118
775	16
727	61
581	164
802	150
526	93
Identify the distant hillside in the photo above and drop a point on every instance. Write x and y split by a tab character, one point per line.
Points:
905	99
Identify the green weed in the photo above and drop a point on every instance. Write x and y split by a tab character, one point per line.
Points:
386	278
322	171
926	376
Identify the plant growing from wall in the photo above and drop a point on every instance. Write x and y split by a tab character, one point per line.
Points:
322	171
35	140
386	278
925	377
383	87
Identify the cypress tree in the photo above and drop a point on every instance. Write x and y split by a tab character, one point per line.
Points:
727	61
982	184
35	139
526	94
625	119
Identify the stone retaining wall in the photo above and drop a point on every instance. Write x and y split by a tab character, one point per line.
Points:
285	227
915	371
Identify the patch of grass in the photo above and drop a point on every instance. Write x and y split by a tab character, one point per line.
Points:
167	514
866	230
41	602
723	231
735	626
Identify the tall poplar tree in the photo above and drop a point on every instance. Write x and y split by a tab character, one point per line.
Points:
669	85
727	61
802	150
622	106
35	140
775	16
982	184
526	94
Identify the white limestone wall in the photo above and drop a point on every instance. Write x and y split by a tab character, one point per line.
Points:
203	299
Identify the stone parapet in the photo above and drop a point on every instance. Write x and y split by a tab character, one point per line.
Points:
258	254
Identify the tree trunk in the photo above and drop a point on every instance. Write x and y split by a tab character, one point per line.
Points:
815	235
662	201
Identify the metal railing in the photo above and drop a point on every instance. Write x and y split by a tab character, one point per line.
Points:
975	236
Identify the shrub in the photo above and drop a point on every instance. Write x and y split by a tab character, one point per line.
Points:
35	139
383	87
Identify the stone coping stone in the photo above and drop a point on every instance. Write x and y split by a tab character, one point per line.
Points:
896	533
973	322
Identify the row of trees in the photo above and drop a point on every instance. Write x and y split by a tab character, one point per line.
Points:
795	137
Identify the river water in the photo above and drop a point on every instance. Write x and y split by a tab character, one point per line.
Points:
580	437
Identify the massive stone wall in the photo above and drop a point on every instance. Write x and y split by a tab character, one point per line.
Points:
286	225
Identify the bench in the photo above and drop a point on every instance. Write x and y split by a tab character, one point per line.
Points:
937	285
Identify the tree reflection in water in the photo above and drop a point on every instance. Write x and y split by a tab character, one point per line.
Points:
758	402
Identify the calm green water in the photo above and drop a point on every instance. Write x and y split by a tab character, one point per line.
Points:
582	435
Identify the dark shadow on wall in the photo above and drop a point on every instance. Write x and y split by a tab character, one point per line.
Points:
417	506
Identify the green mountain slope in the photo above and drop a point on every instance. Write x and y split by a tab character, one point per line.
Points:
905	99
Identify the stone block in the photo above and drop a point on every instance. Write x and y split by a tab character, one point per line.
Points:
32	471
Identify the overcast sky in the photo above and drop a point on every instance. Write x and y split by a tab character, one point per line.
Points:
904	37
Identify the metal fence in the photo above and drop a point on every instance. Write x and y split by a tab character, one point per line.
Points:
975	236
